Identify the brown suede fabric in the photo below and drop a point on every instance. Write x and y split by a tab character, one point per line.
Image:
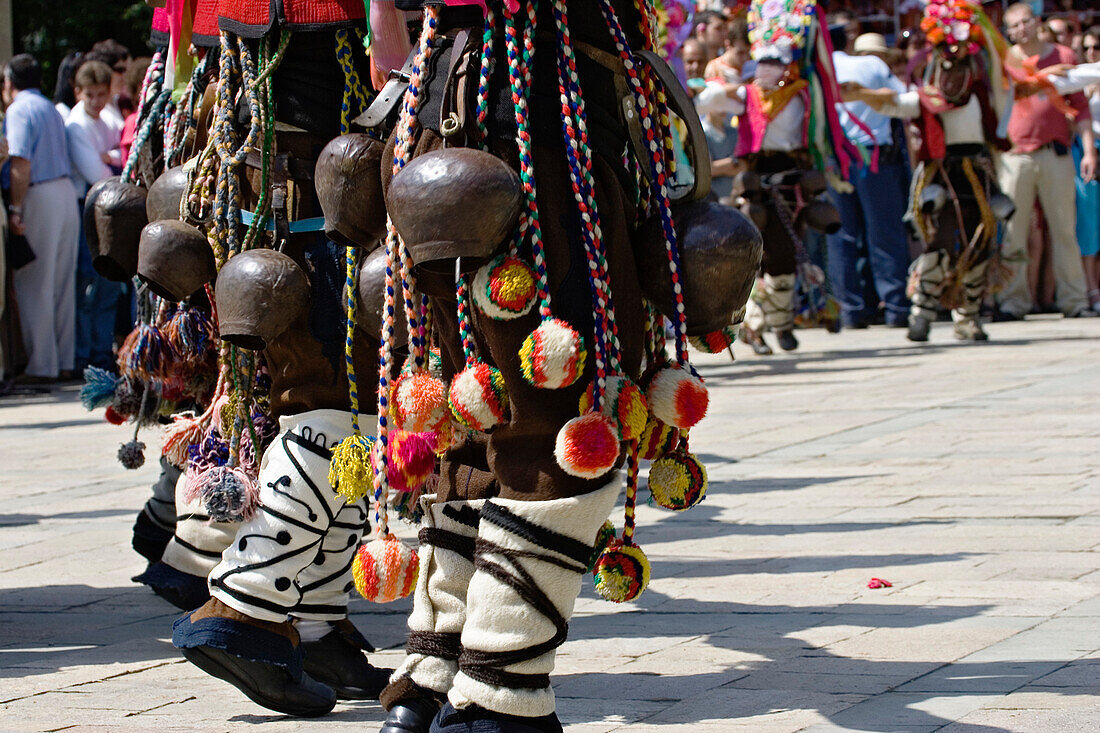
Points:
216	609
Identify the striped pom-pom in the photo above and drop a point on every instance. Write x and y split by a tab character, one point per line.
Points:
477	397
420	403
553	355
385	569
657	439
716	342
678	481
623	402
587	446
677	396
505	288
411	459
604	538
621	573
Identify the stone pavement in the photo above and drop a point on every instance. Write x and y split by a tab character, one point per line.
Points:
979	500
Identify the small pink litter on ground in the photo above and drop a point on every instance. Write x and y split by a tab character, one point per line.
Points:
880	583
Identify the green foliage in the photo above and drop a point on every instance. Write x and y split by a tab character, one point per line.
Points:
50	29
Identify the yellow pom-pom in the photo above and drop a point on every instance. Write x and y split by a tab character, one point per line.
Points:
621	573
350	471
420	403
623	402
385	569
678	481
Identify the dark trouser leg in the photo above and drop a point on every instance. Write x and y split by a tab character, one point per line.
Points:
843	259
157	520
884	201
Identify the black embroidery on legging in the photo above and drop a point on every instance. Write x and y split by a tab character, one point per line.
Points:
306	440
305	477
291	520
540	536
456	543
197	551
251	600
464	514
328	578
285	481
488	667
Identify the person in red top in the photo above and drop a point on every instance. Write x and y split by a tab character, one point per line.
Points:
1039	164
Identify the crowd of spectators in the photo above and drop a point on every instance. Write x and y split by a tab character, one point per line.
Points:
61	316
868	258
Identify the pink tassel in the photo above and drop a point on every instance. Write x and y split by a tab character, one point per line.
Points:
184	432
411	459
229	494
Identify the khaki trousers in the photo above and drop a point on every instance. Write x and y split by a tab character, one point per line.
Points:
1022	176
46	288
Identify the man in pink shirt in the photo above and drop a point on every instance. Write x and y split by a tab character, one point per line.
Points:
1039	164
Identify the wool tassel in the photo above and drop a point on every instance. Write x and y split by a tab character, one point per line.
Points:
350	471
99	388
185	431
146	354
190	333
411	459
132	455
228	493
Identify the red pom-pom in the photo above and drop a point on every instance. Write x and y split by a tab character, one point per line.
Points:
623	402
113	416
587	446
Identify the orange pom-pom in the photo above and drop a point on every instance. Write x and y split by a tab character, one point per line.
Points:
385	569
587	446
420	403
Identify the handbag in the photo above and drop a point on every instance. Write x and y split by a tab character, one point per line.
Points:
17	251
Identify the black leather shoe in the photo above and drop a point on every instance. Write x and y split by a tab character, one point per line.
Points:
918	328
786	339
184	591
474	719
337	660
1002	316
411	715
150	539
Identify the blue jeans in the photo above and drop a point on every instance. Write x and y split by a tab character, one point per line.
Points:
872	215
97	301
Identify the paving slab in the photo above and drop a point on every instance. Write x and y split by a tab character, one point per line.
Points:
964	474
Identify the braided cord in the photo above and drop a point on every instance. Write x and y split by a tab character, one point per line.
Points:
574	127
417	322
352	265
353	86
657	153
464	328
631	492
519	78
485	73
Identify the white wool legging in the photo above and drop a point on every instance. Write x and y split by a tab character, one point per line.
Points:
526	550
294	556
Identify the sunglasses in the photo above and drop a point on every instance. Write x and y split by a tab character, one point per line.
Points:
1090	48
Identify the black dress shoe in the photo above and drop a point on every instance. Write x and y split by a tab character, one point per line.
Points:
412	715
1002	316
918	328
786	339
182	590
337	660
475	719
